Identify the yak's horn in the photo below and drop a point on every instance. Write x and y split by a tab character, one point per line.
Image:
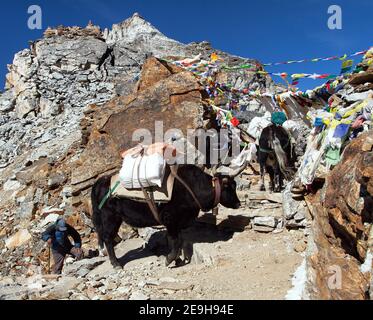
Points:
235	172
224	170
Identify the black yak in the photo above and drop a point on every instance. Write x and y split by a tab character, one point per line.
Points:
175	215
276	156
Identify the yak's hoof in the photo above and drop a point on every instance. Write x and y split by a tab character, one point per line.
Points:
167	262
179	262
101	253
117	266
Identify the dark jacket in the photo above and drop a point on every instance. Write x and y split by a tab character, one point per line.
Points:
60	239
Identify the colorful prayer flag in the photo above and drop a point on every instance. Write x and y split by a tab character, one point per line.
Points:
235	122
214	57
347	66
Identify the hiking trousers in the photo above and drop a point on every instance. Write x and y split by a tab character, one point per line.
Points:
59	258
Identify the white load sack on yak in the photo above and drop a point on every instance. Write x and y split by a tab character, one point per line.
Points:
142	171
257	125
143	168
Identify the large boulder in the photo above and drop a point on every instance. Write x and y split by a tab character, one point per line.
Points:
169	95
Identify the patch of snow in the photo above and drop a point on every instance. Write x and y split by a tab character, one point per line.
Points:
367	265
298	282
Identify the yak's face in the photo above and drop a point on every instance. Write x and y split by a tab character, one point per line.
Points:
228	197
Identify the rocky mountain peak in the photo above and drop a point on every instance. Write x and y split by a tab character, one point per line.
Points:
132	29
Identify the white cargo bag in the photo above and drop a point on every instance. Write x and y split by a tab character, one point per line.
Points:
257	125
146	171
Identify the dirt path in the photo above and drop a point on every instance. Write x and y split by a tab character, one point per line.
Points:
249	265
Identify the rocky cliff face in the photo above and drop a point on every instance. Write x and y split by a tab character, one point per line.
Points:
339	259
342	218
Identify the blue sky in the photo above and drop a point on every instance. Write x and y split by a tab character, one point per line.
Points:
268	30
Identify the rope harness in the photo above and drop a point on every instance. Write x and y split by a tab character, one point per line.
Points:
149	197
174	173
